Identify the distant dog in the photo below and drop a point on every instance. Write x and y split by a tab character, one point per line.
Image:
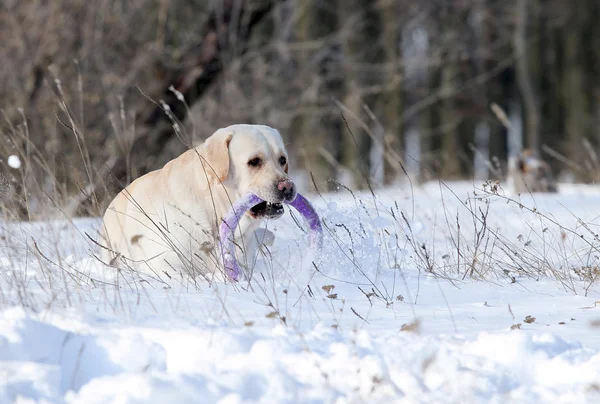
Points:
529	173
167	221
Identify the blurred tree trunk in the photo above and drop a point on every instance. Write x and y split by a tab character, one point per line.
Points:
525	80
448	111
322	144
258	70
391	110
573	85
364	54
595	69
375	94
593	75
552	126
415	56
482	146
450	163
515	131
478	19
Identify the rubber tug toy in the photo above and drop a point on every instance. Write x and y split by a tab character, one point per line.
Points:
241	206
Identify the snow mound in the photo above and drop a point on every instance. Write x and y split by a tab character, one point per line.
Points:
43	361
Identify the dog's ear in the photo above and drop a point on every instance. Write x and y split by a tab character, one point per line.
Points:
214	153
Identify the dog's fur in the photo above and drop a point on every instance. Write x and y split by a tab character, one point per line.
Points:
167	221
529	173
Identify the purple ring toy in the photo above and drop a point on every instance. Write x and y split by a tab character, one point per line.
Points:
241	206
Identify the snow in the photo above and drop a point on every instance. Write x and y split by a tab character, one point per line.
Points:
14	162
73	331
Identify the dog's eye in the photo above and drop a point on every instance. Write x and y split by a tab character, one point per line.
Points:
255	162
282	160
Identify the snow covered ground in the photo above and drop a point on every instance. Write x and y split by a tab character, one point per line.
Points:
431	294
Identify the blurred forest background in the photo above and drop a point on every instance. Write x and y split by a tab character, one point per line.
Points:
364	92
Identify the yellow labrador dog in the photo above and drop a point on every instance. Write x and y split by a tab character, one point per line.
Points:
166	222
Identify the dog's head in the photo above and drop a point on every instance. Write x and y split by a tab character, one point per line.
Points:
532	172
251	158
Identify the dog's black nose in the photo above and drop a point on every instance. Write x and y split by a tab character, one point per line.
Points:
287	189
